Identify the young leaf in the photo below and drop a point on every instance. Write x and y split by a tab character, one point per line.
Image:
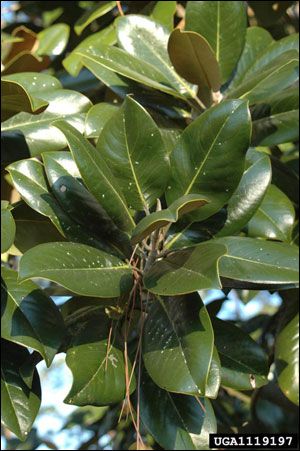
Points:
175	421
194	59
178	344
133	148
30	317
93	383
80	268
19	404
209	157
97	177
53	40
162	218
186	270
223	25
243	362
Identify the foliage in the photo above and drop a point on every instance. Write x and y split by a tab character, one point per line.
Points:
147	145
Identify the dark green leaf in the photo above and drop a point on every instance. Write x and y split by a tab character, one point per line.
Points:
97	176
30	317
162	218
93	383
147	40
19	404
249	193
209	157
93	13
178	344
97	117
194	59
274	218
243	362
133	148
285	178
175	421
287	353
223	25
258	261
53	40
80	268
163	12
8	229
186	271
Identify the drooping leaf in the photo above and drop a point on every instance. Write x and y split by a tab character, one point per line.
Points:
96	382
97	117
276	118
257	40
147	40
39	134
91	14
279	73
97	177
287	353
255	261
53	40
8	228
223	25
178	344
186	271
80	268
274	218
175	421
249	193
162	218
163	12
209	157
133	148
194	59
243	361
19	404
30	317
65	182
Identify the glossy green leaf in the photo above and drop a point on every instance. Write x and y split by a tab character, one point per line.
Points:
77	267
279	73
249	193
258	261
121	62
243	362
28	368
30	317
186	271
162	218
214	376
53	40
32	229
194	59
133	148
97	177
8	229
147	40
178	344
30	181
15	98
175	421
163	12
91	14
276	118
93	383
19	404
287	353
67	186
223	25
72	63
209	157
97	117
39	134
257	40
274	218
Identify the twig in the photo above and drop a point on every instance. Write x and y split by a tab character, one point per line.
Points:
120	9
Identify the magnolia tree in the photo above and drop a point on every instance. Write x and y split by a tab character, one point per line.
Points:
160	162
